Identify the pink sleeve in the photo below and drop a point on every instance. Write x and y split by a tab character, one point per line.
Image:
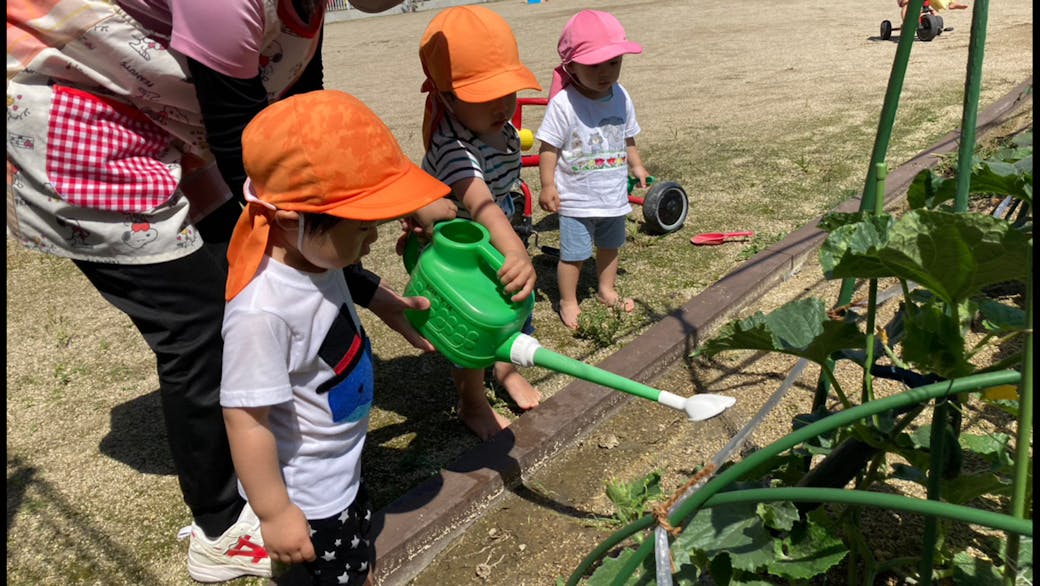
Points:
224	35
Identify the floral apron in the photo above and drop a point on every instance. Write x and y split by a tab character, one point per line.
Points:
107	158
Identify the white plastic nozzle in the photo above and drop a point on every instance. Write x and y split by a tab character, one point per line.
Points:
521	353
697	407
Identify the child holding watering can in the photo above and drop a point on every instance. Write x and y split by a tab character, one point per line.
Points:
473	72
588	151
297	378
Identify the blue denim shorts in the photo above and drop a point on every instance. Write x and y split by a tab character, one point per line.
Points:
578	235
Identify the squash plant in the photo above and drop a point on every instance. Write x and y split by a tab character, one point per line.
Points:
945	262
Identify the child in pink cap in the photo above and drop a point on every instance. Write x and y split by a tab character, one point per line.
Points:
588	151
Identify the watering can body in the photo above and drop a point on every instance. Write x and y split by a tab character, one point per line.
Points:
471	316
473	322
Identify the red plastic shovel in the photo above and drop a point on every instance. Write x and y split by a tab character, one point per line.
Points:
712	238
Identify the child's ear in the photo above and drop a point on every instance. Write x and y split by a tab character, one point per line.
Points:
287	219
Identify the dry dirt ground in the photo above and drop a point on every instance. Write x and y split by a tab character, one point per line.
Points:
766	118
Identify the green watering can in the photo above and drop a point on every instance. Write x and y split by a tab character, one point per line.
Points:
473	322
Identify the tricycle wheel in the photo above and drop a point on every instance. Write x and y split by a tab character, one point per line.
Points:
886	30
929	27
665	207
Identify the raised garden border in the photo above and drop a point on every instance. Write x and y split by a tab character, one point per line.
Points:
413	529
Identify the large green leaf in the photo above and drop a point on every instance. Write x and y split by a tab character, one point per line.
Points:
1001	178
933	343
954	255
853	247
992	447
800	328
611	569
735	530
779	515
967	487
928	190
1008	173
811	552
972	570
1025	561
999	318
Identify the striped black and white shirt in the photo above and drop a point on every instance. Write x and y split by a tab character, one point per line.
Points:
456	153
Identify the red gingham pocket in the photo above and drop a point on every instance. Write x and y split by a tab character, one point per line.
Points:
104	155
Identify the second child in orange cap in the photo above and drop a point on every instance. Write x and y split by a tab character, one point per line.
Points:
587	154
473	73
297	382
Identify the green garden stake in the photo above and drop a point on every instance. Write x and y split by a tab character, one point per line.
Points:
473	322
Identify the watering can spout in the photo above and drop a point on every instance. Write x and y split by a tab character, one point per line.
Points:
523	350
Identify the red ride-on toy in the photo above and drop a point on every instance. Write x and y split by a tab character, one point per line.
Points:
929	25
664	207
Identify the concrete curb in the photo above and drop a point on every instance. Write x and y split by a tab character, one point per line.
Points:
412	530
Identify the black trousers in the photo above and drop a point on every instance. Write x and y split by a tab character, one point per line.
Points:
178	306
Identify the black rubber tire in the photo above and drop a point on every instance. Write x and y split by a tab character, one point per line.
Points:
665	207
886	30
928	28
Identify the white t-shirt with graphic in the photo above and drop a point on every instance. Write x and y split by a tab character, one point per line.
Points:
293	342
592	169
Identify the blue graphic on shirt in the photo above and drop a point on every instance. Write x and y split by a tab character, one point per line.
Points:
348	352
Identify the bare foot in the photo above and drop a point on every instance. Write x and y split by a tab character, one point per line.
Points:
524	395
569	312
614	300
482	419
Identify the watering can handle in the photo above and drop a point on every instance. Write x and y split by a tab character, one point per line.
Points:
632	182
492	256
413	248
411	252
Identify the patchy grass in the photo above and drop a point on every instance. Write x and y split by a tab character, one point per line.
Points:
92	498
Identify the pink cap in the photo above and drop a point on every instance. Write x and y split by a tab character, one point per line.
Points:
591	37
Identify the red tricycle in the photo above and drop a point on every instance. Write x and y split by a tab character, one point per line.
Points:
929	25
664	207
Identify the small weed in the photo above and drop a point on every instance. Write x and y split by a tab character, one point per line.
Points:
65	374
600	324
630	499
758	244
62	331
803	164
62	374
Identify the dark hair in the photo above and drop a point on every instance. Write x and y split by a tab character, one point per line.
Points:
317	224
307	8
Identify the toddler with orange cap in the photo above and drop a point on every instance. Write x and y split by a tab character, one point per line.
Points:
587	152
473	72
323	173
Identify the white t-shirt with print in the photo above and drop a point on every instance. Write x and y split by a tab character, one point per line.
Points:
592	170
293	342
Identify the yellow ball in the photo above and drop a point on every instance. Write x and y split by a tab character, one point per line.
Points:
526	139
